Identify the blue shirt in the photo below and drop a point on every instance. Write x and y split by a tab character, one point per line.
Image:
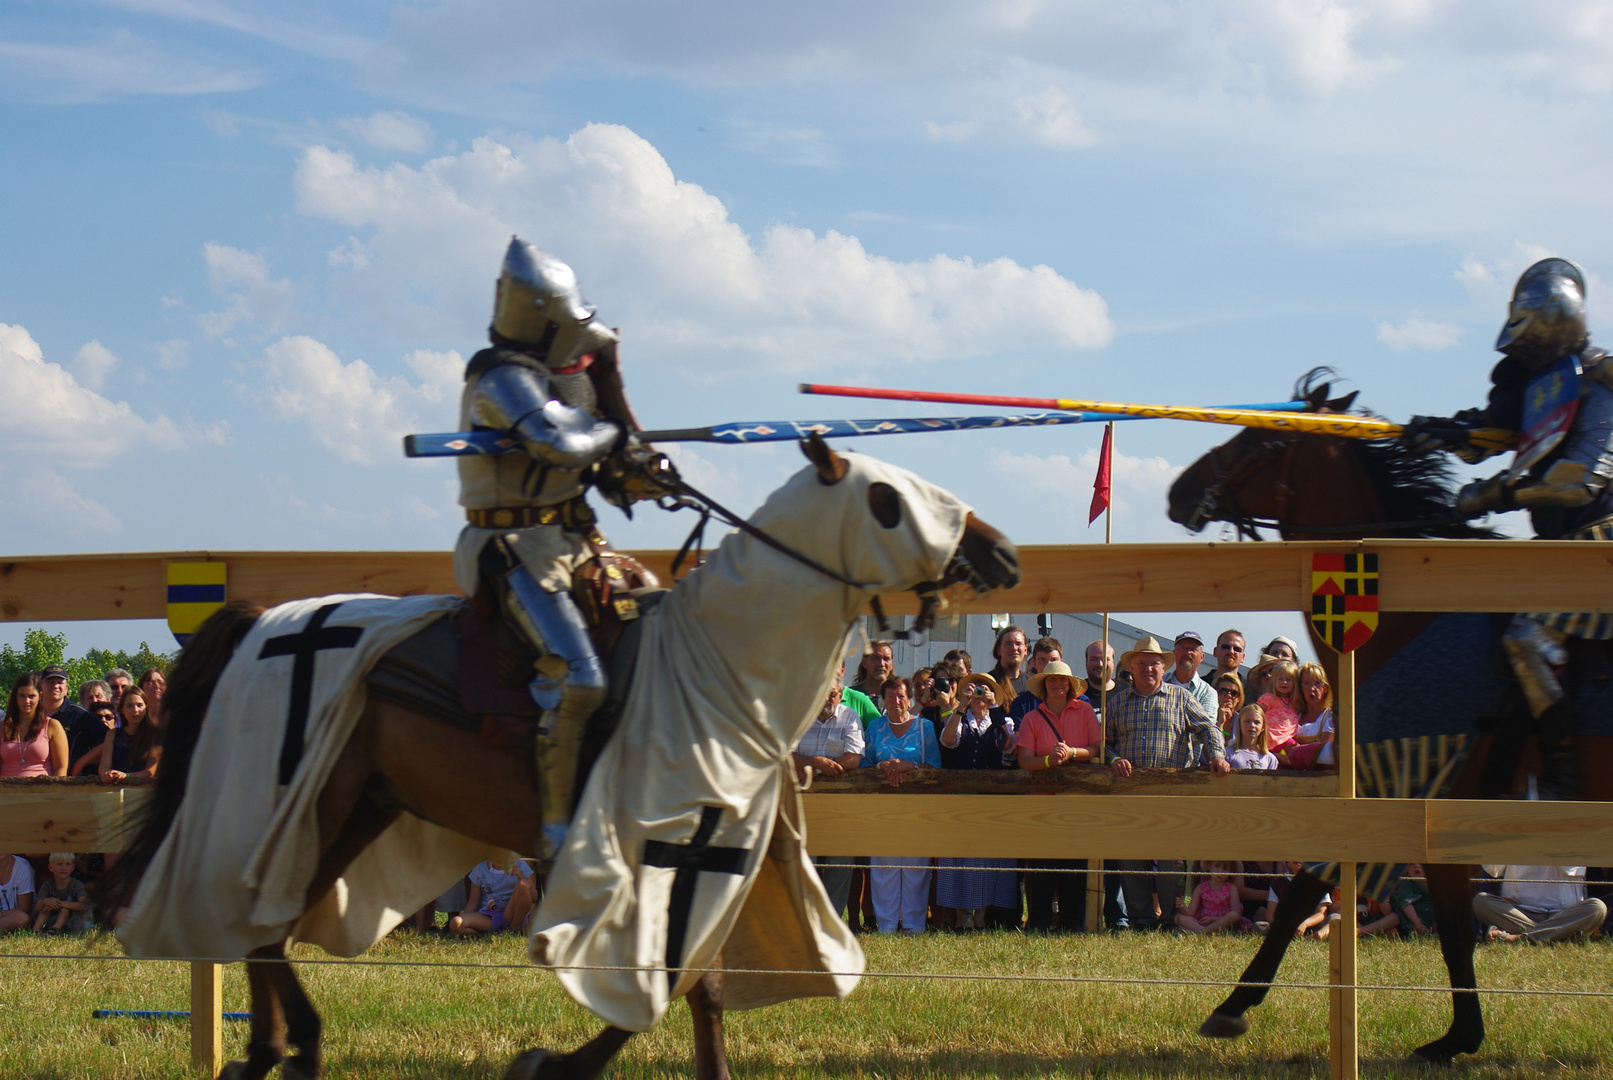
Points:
918	744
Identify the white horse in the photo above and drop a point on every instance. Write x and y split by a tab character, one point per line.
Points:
686	850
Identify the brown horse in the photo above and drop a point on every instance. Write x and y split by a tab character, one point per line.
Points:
383	771
1316	487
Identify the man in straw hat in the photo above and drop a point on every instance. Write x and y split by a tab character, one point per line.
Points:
1156	725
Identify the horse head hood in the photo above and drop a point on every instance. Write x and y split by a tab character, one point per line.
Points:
878	525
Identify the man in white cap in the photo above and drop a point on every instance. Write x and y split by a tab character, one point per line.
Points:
1153	724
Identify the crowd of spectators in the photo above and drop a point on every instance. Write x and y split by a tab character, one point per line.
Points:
1156	709
1030	712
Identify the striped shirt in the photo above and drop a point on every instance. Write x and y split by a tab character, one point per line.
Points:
835	737
1159	731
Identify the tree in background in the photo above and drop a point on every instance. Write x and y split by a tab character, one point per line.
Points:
41	648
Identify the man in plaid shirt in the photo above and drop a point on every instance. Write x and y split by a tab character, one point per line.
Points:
1155	724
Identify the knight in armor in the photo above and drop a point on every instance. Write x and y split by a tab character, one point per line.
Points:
551	381
1555	391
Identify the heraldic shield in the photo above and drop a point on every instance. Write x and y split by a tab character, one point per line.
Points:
1344	598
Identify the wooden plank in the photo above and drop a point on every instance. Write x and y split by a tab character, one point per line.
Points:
1416	575
1343	1050
1140	826
1084	780
42	818
1524	833
206	1017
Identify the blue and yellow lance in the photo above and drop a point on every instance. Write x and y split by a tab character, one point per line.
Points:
466	443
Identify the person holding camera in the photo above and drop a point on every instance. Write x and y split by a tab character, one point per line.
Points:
978	734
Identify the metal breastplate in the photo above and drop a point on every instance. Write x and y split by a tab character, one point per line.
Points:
491	480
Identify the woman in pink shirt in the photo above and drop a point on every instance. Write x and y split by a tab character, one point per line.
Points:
1063	728
31	743
1283	706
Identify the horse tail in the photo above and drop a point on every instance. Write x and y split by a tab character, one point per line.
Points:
190	688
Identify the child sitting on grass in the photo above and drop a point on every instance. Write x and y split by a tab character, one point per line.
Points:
1411	900
498	899
61	905
1215	906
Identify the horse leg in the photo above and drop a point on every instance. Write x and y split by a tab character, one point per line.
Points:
303	1026
267	1045
705	1008
1301	898
584	1063
1451	890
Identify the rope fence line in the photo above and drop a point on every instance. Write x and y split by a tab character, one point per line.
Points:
1107	980
1157	873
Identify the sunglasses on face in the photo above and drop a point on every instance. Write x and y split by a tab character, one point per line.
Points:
1234	648
1227	690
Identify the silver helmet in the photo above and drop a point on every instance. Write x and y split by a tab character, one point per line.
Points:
539	305
1547	316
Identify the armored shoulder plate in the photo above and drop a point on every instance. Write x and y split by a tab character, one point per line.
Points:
1598	366
499	354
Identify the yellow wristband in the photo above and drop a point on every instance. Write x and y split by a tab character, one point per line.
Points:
1047	761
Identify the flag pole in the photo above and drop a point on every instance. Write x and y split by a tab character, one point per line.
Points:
1095	878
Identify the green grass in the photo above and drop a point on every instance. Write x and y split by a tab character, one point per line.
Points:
448	1023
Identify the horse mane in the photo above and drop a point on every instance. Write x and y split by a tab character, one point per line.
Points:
1411	484
190	688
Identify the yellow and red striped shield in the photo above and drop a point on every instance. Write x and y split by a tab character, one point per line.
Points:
1344	598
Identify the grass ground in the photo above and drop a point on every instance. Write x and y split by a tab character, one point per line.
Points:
456	1023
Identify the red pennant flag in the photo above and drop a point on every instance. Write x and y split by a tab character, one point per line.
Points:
1100	483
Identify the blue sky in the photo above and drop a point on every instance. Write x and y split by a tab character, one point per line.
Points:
247	245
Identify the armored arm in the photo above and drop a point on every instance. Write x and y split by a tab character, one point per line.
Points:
1574	479
515	398
1472	434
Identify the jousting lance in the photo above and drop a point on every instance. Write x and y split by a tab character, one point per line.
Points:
1343	425
467	443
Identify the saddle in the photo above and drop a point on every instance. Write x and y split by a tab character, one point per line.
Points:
469	670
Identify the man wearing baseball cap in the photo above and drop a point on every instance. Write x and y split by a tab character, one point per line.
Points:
1189	652
84	732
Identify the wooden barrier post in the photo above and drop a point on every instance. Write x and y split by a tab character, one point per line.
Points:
206	1017
1343	1047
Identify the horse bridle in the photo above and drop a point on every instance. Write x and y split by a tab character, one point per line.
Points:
959	570
1220	499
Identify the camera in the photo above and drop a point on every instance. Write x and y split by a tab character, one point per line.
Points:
941	684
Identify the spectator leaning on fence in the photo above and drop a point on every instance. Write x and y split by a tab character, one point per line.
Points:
1538	904
32	743
1099	659
16	893
1062	730
977	735
1250	749
1156	726
1313	738
1228	701
832	744
898	743
56	702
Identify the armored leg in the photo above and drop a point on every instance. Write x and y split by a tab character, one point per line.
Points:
568	698
1534	649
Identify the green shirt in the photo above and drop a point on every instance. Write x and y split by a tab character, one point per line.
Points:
1414	895
859	703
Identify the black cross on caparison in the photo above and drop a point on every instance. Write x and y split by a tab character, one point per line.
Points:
304	646
689	860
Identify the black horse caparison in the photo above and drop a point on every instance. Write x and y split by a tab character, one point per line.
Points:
382	772
1317	487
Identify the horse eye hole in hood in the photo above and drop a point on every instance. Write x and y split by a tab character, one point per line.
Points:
885	503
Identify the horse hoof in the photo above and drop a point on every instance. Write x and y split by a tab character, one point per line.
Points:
1443	1051
1222	1026
530	1065
298	1067
233	1070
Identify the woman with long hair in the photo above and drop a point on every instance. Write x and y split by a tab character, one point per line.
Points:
1251	749
153	683
1313	739
132	748
1228	700
31	743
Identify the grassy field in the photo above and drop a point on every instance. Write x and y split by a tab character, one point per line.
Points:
455	1023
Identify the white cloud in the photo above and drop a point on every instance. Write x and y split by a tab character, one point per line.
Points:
392	131
51	498
51	417
1422	334
661	258
93	363
1050	117
787	144
1138	491
173	354
347	407
242	277
959	131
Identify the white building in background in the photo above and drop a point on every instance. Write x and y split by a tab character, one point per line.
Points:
975	634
